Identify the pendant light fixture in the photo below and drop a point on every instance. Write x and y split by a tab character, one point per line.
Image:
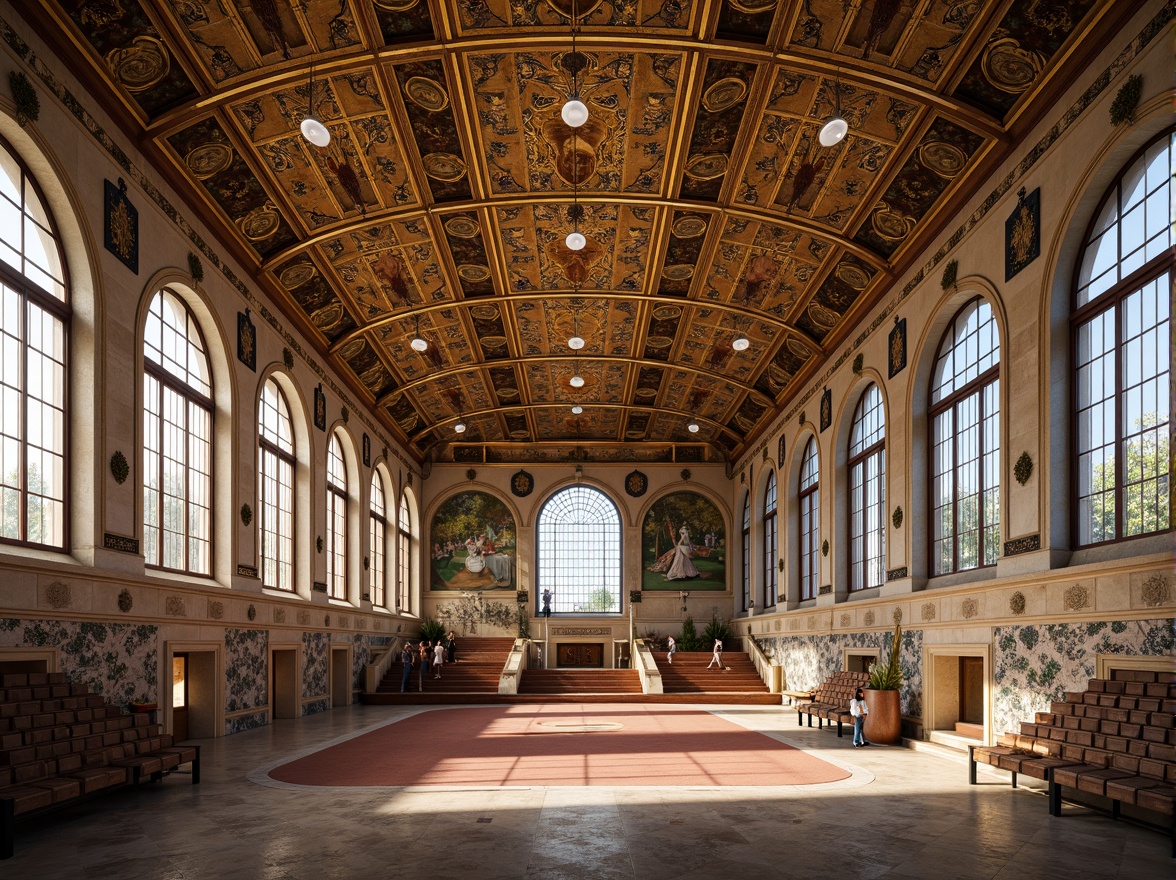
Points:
835	129
575	240
312	129
575	111
459	426
575	341
419	343
577	409
577	381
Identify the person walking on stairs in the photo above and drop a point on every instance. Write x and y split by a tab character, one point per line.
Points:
717	656
426	654
671	649
406	661
438	658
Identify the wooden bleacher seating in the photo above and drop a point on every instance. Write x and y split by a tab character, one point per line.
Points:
830	702
1117	740
59	743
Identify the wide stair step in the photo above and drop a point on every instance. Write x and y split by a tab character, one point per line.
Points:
477	671
580	681
688	674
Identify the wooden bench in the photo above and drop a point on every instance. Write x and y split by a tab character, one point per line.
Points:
830	702
60	744
1115	740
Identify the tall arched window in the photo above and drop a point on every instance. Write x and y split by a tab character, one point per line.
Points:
1122	330
771	543
746	551
336	520
377	540
34	330
580	551
177	439
275	521
403	554
809	500
965	443
867	492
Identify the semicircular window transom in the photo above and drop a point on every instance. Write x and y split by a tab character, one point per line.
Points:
580	552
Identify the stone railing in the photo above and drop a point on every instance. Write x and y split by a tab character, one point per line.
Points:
769	669
512	670
651	680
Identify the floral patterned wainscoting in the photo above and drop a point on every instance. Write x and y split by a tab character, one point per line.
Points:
316	671
1037	664
119	661
246	678
809	660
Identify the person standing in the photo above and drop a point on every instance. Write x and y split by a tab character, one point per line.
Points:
547	603
438	658
406	661
451	647
426	654
717	655
671	649
859	710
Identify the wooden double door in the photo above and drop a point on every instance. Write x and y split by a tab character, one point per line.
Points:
580	656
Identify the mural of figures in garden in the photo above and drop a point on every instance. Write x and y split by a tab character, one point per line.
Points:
472	544
683	545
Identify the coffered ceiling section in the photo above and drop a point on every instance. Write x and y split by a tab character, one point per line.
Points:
710	209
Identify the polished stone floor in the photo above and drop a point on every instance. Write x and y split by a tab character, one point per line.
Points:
903	813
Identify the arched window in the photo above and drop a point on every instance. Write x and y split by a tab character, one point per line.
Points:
177	440
275	452
403	554
34	330
771	543
336	520
377	540
746	549
580	551
867	492
809	500
965	443
1121	320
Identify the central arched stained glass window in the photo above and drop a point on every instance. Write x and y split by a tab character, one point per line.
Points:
580	552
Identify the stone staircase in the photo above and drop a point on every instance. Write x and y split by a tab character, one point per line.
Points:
689	675
472	679
578	682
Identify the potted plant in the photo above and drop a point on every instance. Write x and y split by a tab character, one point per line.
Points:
884	721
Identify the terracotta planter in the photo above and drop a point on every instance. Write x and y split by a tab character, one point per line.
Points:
884	723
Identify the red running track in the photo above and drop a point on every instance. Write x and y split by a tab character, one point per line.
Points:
560	744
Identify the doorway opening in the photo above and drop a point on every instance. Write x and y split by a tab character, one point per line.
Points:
23	661
859	659
194	703
284	683
180	697
958	695
340	676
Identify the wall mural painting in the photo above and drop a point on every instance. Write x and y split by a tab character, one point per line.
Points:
683	545
473	544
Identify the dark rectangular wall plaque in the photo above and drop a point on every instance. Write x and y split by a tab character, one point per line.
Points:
1022	545
1023	233
121	544
120	225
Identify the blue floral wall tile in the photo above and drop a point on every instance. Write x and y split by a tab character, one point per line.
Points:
316	665
246	669
119	661
1039	663
246	722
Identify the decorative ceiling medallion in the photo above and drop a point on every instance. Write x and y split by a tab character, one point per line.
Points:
706	166
445	167
473	274
821	316
753	7
645	393
667	313
853	275
351	349
946	160
485	312
798	348
520	434
396	5
507	393
328	316
260	223
296	275
725	93
890	224
493	342
583	8
659	341
1009	67
636	483
427	93
462	227
678	272
208	159
141	65
690	226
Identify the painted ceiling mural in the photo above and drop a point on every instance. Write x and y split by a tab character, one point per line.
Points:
709	208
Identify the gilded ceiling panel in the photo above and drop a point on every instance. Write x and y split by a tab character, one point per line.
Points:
693	394
837	293
528	148
560	423
387	267
747	19
550	381
788	360
130	46
763	266
232	40
446	334
467	247
1018	51
430	116
307	288
687	234
365	363
403	19
210	158
720	116
492	15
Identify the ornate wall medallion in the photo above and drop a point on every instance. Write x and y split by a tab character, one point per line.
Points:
1155	591
120	228
896	348
246	340
58	594
826	409
1017	603
216	609
195	268
928	611
287	359
1077	597
251	612
522	484
246	514
175	606
119	469
1122	108
969	608
896	518
636	483
950	271
1023	469
896	615
125	601
1023	233
24	96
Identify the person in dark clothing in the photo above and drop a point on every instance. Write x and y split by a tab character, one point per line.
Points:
406	661
547	603
426	653
451	647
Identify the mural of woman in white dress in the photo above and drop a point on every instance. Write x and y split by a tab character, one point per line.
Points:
682	565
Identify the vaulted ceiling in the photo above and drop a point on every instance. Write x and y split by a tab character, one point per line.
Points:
442	200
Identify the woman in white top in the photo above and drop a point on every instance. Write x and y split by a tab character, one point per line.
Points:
717	656
671	647
859	710
438	658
